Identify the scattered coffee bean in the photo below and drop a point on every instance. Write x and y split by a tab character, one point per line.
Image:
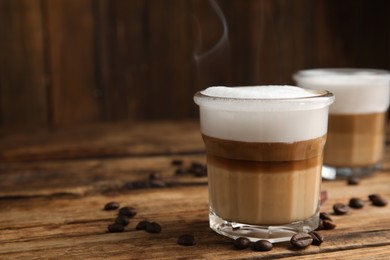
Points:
142	225
177	162
155	176
325	216
317	238
128	211
153	227
377	200
301	240
122	220
198	170
115	228
356	203
262	245
353	181
328	224
186	240
111	206
241	243
340	209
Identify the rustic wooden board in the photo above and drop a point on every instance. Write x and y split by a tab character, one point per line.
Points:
52	207
23	75
103	140
75	226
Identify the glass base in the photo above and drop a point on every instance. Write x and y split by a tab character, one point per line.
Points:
254	232
332	173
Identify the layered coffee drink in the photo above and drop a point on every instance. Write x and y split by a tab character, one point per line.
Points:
264	150
355	140
357	118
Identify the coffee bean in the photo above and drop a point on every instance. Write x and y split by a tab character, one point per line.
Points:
186	240
372	197
155	176
111	206
122	220
340	209
325	216
142	225
153	227
241	243
115	228
328	224
198	169
128	211
377	200
177	162
356	203
262	245
301	240
317	238
353	181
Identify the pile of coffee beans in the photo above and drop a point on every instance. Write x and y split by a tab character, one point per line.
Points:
326	222
123	218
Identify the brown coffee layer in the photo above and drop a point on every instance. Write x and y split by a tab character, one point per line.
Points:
256	151
355	140
263	167
373	123
254	196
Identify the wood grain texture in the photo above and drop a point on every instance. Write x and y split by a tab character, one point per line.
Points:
102	140
53	208
23	80
75	95
66	62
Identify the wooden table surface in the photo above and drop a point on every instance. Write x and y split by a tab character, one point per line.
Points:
54	184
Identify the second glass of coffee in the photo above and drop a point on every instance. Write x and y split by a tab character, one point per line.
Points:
264	148
357	118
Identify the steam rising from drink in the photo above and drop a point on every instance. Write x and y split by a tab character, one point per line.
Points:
211	61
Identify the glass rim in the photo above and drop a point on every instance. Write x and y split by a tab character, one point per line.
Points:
342	72
321	99
321	93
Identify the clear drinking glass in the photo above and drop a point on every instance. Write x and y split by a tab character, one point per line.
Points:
264	148
356	134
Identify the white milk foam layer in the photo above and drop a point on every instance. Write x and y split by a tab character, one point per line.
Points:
258	92
357	91
263	113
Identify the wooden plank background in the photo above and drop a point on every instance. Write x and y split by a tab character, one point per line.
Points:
65	62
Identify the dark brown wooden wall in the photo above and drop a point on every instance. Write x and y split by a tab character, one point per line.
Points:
65	62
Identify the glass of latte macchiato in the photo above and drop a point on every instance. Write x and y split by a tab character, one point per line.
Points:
264	147
357	118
